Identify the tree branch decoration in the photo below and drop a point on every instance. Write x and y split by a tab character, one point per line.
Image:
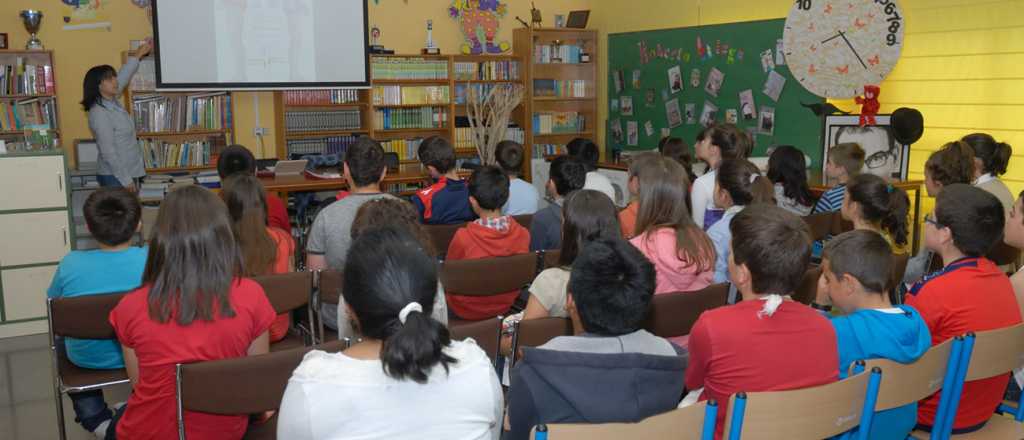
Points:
489	115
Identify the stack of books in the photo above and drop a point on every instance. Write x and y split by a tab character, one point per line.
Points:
410	95
464	137
399	68
563	53
487	70
326	97
325	145
347	119
573	88
401	188
558	122
36	113
209	179
160	154
411	118
26	79
159	113
406	148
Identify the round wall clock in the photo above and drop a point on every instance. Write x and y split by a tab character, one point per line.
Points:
836	47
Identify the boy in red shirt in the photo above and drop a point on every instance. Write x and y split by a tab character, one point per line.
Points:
969	294
767	342
492	235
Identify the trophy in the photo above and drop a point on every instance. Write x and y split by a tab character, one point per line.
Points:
431	49
32	19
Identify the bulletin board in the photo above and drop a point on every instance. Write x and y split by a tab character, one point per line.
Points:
651	72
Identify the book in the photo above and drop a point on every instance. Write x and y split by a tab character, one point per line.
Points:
300	121
408	68
410	95
507	70
326	97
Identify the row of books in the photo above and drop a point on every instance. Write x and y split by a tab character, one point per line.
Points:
398	189
486	70
410	95
543	150
326	145
161	154
464	139
462	90
558	122
29	140
570	88
327	97
347	119
30	113
406	148
26	79
159	113
411	118
562	53
388	68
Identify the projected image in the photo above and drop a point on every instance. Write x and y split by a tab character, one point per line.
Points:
265	40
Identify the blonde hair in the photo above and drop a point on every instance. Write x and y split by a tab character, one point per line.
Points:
848	156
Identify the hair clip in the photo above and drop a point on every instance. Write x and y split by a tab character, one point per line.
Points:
889	189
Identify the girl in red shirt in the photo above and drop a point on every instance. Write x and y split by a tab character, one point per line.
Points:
193	306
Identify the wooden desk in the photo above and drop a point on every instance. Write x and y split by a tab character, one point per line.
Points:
301	182
818	186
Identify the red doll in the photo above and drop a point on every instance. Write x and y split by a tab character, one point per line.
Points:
869	105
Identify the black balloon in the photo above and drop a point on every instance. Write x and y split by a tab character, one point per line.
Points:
907	125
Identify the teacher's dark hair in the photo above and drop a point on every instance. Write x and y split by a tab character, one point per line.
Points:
91	85
386	270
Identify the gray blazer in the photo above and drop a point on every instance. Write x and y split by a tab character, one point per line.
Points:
114	130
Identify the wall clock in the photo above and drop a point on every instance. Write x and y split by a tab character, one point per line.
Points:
836	47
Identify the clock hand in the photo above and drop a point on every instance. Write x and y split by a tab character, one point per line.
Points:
841	34
833	38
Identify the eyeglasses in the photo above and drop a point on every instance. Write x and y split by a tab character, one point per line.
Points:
931	219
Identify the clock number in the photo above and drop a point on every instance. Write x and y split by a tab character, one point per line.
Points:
895	26
890	8
890	39
803	5
894	20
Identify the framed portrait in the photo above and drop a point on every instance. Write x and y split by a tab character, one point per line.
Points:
884	156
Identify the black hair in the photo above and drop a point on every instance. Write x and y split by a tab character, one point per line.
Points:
733	142
510	156
612	284
774	244
112	215
437	152
744	182
235	159
568	174
788	166
585	150
489	186
864	255
995	156
676	149
386	270
974	216
882	204
587	215
365	160
91	85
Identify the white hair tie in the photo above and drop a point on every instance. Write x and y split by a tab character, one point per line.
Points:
753	177
409	308
771	304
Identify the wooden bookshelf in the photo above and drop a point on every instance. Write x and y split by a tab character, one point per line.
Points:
526	42
44	90
307	101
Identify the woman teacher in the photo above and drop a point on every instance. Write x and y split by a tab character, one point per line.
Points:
120	160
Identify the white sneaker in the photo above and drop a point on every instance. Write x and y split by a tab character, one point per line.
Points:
101	431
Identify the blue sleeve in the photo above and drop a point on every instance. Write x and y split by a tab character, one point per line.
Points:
56	289
845	347
822	205
720	237
419	206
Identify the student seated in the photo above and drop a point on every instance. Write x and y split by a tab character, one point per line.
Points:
265	249
738	184
669	147
682	253
406	379
237	159
767	342
715	144
587	152
330	237
492	235
787	169
565	176
844	162
193	306
446	202
522	197
676	149
593	377
990	161
855	279
873	204
1014	236
967	222
399	214
112	216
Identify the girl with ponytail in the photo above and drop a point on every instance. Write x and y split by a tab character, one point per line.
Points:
873	204
406	379
738	184
990	161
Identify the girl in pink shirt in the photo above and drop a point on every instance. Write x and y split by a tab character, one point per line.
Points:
681	252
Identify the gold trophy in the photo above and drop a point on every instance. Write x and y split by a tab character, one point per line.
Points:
32	20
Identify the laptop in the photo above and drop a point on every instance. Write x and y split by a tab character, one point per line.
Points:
290	167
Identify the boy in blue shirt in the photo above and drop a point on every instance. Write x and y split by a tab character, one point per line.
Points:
855	277
446	202
112	216
844	162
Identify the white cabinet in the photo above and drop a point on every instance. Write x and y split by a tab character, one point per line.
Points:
25	291
34	237
32	182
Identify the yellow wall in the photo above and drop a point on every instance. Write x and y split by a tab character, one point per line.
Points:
402	23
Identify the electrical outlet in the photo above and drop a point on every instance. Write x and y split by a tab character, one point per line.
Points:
259	131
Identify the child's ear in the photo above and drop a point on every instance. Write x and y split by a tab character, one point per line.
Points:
473	203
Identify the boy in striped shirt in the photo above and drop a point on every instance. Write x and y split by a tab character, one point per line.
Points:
844	162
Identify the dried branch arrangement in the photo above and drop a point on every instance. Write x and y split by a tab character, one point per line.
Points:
489	115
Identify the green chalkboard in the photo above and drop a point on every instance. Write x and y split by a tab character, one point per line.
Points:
733	49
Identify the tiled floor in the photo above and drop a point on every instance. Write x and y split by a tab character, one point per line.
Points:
27	409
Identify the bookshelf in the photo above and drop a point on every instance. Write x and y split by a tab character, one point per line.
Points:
319	121
484	72
28	101
561	97
177	131
412	98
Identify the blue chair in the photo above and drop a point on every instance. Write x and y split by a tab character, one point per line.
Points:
695	422
818	412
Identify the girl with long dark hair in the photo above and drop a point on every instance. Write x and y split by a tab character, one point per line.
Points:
787	170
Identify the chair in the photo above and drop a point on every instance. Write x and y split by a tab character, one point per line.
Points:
673	314
83	317
839	224
288	292
486	333
537	332
678	424
899	267
328	294
549	258
244	385
817	412
808	289
821	224
1003	254
489	276
441	236
524	220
